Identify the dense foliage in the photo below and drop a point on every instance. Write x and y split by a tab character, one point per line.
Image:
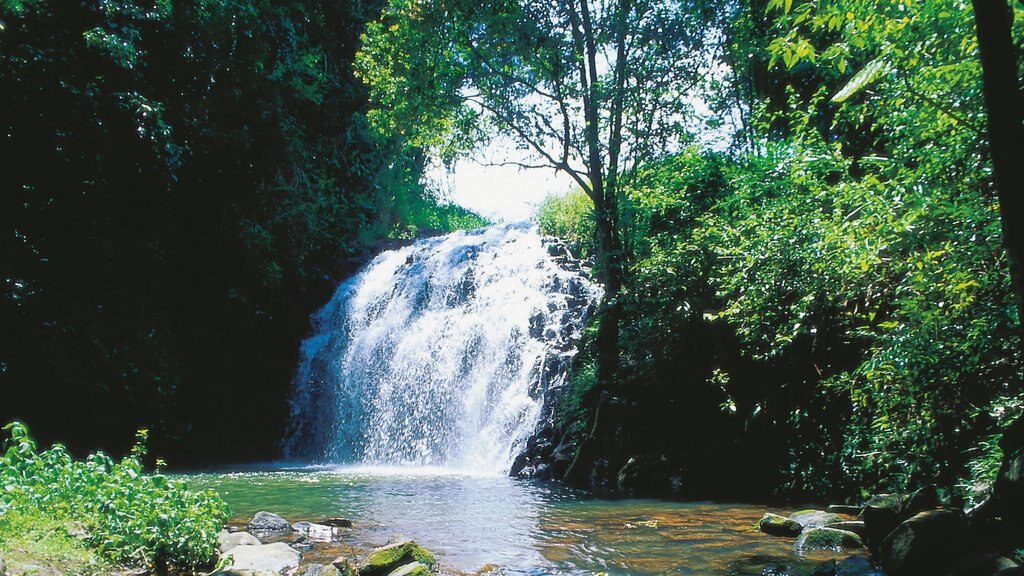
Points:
129	516
835	288
183	184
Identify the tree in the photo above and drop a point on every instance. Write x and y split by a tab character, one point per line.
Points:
587	87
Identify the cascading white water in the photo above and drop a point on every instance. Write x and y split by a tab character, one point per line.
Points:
440	353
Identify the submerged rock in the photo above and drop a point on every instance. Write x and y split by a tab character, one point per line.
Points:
274	557
779	525
269	522
337	522
228	540
384	560
827	539
814	518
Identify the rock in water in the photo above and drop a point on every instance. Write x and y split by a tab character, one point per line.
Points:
928	543
275	557
269	522
814	518
827	539
779	525
318	570
315	532
385	560
229	540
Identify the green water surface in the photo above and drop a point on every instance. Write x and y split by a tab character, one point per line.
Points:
518	527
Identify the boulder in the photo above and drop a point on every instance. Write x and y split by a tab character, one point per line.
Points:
814	518
827	539
229	540
856	566
984	565
855	526
269	522
411	569
880	518
779	525
315	532
385	560
274	557
928	543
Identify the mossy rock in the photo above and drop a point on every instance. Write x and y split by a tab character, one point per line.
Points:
779	525
815	518
827	539
385	560
411	569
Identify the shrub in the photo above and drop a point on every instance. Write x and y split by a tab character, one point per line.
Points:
125	514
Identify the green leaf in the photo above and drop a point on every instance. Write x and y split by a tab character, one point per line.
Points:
866	76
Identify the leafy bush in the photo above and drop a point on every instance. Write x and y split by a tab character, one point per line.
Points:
129	516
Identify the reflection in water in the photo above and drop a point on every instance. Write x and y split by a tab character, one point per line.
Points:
525	528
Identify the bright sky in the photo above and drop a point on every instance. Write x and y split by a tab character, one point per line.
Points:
500	193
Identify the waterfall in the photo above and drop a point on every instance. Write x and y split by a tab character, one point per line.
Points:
440	353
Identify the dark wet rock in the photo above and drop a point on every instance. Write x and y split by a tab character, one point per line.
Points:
777	525
827	539
856	566
337	522
887	501
411	569
1011	572
814	518
269	522
228	540
855	526
924	499
879	520
384	560
928	543
315	532
275	557
302	544
846	509
983	565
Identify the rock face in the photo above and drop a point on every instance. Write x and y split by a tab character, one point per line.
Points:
268	522
928	543
229	540
814	518
779	525
385	560
274	557
827	539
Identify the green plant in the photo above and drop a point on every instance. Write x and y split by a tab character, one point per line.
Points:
127	515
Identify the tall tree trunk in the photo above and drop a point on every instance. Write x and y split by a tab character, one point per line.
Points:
1001	518
993	19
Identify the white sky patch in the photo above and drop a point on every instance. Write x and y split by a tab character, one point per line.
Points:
502	193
